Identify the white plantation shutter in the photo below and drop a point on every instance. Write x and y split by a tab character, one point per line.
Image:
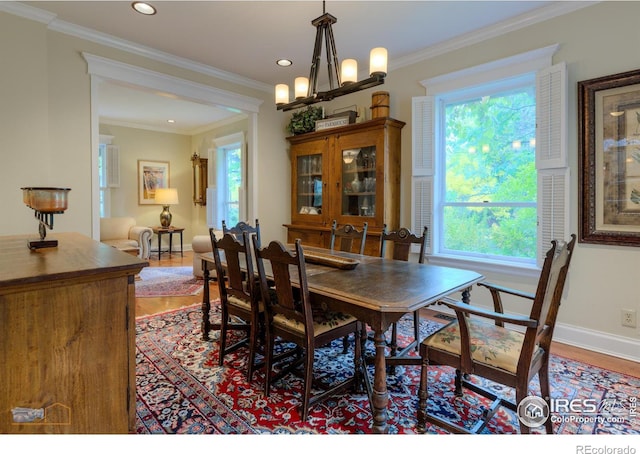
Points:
423	143
212	208
113	166
422	209
553	208
422	139
551	117
551	157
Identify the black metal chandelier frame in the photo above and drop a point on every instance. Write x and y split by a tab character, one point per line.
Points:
323	30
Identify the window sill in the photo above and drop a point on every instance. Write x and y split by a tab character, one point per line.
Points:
484	266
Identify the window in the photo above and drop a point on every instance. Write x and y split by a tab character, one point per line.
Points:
490	175
230	180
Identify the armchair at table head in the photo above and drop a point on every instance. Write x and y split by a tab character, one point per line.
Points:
479	343
348	235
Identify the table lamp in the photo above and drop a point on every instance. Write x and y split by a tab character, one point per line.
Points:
166	197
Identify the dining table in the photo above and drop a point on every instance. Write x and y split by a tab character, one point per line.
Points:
378	291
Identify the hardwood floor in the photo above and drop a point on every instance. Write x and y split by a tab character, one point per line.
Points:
147	306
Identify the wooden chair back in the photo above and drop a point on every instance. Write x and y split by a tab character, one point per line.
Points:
290	317
549	292
238	270
239	295
240	228
402	240
284	300
348	236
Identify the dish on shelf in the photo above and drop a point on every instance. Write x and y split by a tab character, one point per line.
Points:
334	261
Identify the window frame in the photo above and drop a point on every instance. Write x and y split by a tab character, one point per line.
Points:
464	95
551	152
219	190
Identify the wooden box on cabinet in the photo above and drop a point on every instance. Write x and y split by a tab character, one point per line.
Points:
67	318
350	174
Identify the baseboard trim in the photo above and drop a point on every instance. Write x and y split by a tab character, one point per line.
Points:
597	341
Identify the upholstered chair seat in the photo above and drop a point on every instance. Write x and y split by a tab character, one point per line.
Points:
491	345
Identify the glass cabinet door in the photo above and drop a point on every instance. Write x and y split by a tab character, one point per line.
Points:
359	182
309	184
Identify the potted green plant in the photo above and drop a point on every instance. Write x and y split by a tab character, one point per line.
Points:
304	120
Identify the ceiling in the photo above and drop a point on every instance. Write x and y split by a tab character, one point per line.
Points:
242	40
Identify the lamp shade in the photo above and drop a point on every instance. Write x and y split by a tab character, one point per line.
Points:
301	87
282	94
378	61
166	196
349	71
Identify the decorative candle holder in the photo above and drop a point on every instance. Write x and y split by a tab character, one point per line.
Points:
45	202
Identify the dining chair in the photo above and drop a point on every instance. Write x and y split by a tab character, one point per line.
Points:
401	241
241	227
290	316
240	295
347	236
479	343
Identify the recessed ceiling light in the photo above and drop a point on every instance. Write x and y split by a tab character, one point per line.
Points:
144	8
171	121
284	62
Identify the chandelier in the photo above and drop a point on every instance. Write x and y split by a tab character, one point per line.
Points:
343	83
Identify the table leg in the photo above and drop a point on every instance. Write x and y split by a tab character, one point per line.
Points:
170	243
206	303
380	397
159	245
181	245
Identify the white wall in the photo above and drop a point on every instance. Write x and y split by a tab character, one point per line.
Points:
44	140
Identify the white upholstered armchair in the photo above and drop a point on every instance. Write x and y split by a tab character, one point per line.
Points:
124	234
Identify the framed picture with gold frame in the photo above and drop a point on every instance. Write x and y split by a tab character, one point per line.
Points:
151	176
609	159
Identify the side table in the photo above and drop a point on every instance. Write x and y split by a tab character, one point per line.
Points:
168	231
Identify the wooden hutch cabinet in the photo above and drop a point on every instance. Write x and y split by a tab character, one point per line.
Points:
350	174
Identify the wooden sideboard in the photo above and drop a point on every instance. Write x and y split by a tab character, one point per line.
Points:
67	327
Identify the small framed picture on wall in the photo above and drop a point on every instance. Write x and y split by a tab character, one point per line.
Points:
151	176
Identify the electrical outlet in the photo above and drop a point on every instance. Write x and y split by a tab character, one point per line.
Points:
628	318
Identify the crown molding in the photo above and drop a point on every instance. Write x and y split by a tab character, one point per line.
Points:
514	24
118	71
104	39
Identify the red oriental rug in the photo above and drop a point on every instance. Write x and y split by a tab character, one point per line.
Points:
167	281
181	389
